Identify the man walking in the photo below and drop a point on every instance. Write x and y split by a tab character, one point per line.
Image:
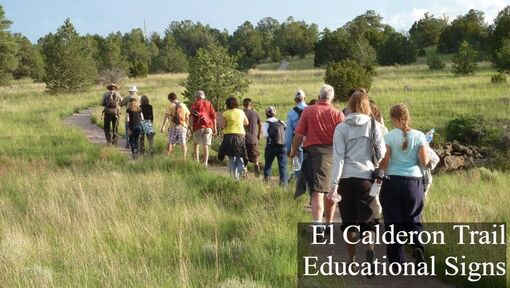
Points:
177	114
252	136
203	122
292	121
317	125
110	101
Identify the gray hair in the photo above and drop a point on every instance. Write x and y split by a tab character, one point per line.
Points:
327	92
200	94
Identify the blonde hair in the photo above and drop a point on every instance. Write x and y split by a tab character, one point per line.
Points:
359	102
134	106
401	113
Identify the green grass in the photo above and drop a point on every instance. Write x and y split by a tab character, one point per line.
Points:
75	214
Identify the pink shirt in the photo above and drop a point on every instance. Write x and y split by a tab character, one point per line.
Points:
318	123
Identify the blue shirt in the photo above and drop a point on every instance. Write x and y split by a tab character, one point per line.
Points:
404	162
292	122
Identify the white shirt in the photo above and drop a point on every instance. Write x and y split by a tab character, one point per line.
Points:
265	126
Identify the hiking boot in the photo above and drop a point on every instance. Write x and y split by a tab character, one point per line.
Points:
244	173
370	256
418	255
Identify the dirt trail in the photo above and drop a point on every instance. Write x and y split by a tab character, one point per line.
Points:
284	65
95	135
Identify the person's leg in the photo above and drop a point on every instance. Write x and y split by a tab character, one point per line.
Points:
150	138
232	166
184	136
169	148
126	134
317	206
184	149
269	156
413	207
393	215
196	152
329	209
106	128
206	154
282	165
142	142
240	166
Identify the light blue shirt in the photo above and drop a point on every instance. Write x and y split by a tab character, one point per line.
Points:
404	162
292	122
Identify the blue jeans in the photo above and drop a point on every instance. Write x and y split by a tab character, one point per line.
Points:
280	153
236	166
134	137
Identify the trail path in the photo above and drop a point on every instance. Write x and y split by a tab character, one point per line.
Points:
96	136
284	65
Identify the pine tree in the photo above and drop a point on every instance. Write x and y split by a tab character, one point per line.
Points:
30	62
69	65
215	72
464	62
8	50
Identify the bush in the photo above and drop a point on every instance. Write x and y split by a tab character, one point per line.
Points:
501	59
474	130
422	53
464	62
435	63
498	78
138	69
345	76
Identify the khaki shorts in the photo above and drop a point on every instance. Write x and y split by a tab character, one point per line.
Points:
202	136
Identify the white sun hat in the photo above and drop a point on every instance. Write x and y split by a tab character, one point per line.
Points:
133	89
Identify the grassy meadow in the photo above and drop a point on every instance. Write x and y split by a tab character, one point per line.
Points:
75	214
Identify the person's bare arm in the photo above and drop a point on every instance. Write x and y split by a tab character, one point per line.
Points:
246	122
423	156
298	140
386	160
259	129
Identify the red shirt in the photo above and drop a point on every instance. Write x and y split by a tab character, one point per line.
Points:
205	108
318	123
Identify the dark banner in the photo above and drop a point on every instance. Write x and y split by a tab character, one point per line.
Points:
454	254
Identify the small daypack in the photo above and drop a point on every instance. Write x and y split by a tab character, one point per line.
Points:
178	117
276	131
111	103
298	111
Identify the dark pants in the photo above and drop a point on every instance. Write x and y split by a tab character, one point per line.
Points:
402	204
356	204
280	153
134	137
110	127
150	138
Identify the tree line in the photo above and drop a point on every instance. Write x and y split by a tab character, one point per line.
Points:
67	61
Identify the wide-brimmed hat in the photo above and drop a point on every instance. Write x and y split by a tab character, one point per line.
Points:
112	86
133	89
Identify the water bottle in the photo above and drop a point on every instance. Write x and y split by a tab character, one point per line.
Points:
430	135
296	164
376	187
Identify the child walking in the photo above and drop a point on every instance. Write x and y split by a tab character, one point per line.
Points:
148	116
274	132
134	117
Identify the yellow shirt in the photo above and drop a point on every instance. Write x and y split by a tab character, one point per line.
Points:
170	112
235	121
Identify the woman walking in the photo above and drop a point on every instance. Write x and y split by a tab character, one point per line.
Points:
233	144
134	117
149	117
353	166
402	192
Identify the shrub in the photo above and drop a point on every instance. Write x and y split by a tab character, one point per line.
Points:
422	53
464	62
501	59
138	69
435	63
498	78
474	130
345	76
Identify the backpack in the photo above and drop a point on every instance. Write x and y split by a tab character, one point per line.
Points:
178	117
276	131
298	111
111	103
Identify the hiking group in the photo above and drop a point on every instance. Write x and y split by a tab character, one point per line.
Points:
342	157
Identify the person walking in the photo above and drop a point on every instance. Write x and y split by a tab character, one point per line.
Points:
353	167
252	137
125	101
402	192
316	128
293	117
234	144
149	117
177	114
203	122
111	113
274	132
134	118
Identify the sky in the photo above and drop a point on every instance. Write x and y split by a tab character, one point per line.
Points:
36	18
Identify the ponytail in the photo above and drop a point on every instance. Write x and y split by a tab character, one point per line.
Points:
401	113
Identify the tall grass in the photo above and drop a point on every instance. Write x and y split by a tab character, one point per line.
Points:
75	214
